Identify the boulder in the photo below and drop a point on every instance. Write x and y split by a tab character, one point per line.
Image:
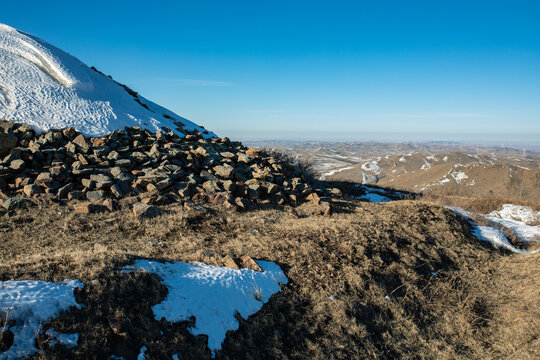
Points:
31	190
81	142
89	208
7	142
17	165
248	263
95	195
16	203
228	261
224	171
145	211
195	209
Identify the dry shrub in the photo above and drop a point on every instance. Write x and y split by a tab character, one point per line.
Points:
281	155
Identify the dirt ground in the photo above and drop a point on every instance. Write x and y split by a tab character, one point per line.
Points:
397	280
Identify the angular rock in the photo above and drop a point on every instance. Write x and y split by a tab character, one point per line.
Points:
110	204
228	261
124	163
145	211
243	158
31	190
195	209
227	155
164	184
16	203
248	263
201	151
64	191
81	142
89	208
17	165
7	142
44	179
95	195
228	185
211	186
117	191
224	171
69	132
75	195
314	198
87	183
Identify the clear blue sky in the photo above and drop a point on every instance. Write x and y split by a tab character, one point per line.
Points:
361	70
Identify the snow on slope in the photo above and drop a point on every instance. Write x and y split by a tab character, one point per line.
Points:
526	233
46	88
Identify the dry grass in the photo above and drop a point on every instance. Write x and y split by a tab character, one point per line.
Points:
395	280
482	205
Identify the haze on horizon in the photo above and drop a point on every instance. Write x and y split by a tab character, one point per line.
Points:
327	70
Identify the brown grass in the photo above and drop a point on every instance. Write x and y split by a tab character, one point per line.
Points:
482	205
443	289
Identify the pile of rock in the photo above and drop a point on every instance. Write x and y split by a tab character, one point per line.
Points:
138	165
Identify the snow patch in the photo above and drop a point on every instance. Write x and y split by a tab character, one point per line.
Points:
31	304
426	165
494	235
458	176
374	198
371	167
212	294
142	352
518	213
522	220
68	340
443	181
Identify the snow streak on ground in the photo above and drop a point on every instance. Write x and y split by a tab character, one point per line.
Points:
330	173
212	294
526	233
47	88
522	220
32	304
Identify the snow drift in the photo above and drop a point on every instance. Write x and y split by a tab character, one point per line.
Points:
46	88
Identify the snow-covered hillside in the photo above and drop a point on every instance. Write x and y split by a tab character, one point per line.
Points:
44	87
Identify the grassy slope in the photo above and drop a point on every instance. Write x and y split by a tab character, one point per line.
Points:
476	306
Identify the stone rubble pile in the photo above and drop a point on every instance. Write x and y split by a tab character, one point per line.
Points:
136	165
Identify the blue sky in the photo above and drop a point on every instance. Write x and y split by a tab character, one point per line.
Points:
332	70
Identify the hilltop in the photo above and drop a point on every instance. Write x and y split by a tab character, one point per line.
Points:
129	232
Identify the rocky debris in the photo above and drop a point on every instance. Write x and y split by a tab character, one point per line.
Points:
135	163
